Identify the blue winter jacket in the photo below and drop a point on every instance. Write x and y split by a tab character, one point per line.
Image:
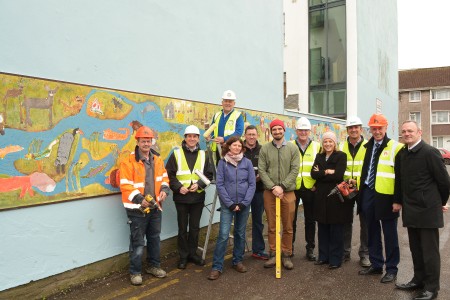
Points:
235	184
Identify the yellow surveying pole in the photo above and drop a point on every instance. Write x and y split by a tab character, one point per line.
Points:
277	239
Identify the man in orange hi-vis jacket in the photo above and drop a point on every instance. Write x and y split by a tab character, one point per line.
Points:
144	185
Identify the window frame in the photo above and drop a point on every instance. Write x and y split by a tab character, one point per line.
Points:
433	94
415	100
435	117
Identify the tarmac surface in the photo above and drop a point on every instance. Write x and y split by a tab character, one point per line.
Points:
305	281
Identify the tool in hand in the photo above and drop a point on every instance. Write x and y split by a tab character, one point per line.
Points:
344	190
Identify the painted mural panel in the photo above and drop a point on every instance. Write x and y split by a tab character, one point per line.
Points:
60	141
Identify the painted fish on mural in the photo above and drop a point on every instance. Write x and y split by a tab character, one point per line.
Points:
25	184
9	149
110	135
94	171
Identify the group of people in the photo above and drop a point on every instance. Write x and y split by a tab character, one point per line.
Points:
390	177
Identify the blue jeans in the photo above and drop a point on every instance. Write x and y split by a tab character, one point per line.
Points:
257	206
240	222
150	227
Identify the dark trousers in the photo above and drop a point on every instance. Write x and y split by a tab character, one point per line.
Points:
307	197
331	243
363	243
424	246
375	226
188	214
257	206
141	228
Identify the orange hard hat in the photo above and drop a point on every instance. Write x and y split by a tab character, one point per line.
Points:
144	132
377	120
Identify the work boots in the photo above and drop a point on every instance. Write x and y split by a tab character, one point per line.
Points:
287	262
271	262
136	279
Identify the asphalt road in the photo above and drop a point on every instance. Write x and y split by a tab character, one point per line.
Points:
305	281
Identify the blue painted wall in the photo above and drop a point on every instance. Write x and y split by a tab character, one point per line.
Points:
186	49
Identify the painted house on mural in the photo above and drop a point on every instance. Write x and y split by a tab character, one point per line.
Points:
76	113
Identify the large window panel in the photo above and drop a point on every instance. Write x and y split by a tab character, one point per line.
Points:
318	103
327	58
336	44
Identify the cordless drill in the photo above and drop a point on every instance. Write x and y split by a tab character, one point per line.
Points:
344	189
153	204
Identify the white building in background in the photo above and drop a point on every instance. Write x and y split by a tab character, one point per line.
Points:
340	58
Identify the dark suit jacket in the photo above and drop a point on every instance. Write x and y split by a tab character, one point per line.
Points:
383	202
424	186
330	210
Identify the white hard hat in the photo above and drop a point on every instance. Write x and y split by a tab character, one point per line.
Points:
191	129
352	121
229	95
303	123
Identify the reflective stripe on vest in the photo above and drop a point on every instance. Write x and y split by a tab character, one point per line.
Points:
230	125
306	164
385	177
184	174
354	165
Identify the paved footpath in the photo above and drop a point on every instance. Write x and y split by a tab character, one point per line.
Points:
306	281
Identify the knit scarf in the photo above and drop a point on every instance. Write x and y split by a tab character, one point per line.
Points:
234	159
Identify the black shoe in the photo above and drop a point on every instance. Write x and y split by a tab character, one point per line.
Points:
388	277
320	262
426	295
346	257
310	255
332	267
196	260
410	286
182	264
370	271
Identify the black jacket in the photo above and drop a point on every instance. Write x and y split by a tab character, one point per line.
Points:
424	184
330	210
383	202
253	155
175	184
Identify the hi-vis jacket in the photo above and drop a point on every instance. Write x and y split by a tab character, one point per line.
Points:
385	176
184	175
385	192
354	164
306	164
132	179
229	127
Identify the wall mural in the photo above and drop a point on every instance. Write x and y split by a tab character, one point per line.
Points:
60	141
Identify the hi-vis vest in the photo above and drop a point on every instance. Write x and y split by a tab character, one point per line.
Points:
184	174
230	126
306	164
385	177
354	165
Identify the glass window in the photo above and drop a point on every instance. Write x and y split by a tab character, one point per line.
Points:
438	117
415	116
327	58
440	95
414	96
438	141
317	103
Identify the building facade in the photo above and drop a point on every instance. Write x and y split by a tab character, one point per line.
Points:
340	58
424	96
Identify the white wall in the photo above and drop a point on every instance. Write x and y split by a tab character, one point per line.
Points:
187	49
378	61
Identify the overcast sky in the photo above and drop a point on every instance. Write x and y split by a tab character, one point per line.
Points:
423	33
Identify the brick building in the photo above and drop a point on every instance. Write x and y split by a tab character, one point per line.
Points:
424	96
